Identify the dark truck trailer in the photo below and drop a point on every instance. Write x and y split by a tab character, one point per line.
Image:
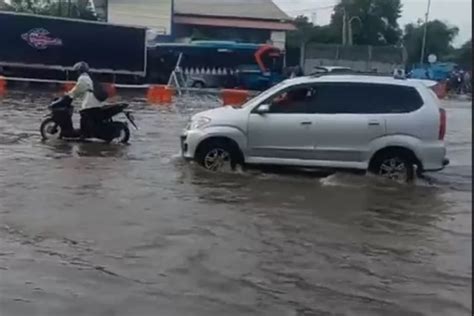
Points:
44	46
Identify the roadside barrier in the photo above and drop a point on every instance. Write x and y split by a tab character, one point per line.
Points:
234	96
160	94
163	94
154	94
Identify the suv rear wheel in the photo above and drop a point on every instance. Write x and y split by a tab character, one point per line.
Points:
396	165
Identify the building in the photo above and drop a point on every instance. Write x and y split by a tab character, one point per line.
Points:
253	21
4	6
157	15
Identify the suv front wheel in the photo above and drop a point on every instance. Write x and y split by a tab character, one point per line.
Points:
217	156
395	165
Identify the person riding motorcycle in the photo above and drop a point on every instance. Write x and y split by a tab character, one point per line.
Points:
90	107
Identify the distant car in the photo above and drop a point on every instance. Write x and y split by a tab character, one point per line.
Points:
331	70
387	126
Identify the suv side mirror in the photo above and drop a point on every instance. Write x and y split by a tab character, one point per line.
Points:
263	108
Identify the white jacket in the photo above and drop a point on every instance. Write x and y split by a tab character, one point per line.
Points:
85	87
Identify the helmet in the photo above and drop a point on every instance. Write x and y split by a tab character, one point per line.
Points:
81	67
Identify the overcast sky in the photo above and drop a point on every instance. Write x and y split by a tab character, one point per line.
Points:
455	12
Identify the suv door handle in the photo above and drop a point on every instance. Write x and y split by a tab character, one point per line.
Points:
306	123
374	123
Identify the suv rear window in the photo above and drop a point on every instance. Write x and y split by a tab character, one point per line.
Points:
365	98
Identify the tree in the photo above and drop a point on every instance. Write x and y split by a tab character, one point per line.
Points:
79	9
308	32
463	55
377	22
439	38
374	22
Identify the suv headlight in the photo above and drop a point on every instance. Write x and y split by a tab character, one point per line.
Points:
199	122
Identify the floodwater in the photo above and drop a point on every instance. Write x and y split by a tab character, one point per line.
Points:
94	229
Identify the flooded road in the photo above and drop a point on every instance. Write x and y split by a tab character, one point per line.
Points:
94	229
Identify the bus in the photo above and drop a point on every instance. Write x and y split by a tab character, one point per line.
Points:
217	64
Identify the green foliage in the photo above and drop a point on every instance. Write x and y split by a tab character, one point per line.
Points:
439	38
307	32
377	25
463	55
78	9
378	21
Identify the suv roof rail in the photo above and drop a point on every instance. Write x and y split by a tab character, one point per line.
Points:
352	73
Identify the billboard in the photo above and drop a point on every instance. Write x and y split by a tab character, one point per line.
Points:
57	43
153	14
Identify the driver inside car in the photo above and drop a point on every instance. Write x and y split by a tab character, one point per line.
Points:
291	101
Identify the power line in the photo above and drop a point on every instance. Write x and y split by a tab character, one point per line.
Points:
313	9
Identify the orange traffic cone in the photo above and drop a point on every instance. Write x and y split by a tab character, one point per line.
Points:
167	96
234	97
155	94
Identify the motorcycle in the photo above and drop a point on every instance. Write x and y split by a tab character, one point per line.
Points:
58	123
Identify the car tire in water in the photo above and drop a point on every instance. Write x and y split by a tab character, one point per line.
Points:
395	165
215	155
50	129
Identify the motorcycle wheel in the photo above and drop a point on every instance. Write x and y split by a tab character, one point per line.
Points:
50	129
123	134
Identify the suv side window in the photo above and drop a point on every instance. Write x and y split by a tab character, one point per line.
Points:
365	98
294	100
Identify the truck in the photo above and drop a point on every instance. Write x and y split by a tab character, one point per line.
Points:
47	47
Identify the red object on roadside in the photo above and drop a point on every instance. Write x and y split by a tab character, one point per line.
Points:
68	86
3	86
160	94
442	124
234	97
111	90
440	89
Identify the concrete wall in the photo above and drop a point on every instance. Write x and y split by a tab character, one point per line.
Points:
359	58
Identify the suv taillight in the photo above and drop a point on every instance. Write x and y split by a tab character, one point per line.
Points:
442	124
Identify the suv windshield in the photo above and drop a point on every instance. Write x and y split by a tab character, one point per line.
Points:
264	94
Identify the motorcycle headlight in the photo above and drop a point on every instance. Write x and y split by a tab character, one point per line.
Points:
200	122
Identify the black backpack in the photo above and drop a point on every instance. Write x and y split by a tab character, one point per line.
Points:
99	91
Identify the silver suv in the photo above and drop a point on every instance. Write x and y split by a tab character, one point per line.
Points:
391	127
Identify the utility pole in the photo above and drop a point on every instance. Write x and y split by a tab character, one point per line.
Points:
344	27
425	30
69	8
60	8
